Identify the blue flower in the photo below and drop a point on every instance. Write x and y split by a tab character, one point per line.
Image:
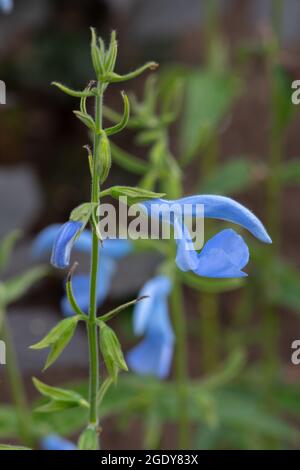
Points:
63	243
61	239
6	6
153	355
54	442
224	255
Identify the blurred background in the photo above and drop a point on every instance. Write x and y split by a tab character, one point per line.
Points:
236	133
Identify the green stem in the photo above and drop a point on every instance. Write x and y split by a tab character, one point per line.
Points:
181	361
92	325
210	332
17	388
277	17
273	204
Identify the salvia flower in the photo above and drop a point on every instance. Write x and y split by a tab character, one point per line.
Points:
55	442
64	242
61	239
224	255
153	355
6	6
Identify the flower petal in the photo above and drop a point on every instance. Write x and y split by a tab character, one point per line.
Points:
215	207
156	289
43	242
54	442
116	248
152	356
186	256
63	244
223	256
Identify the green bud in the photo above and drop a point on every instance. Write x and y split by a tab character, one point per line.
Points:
88	439
111	54
86	119
104	158
96	54
111	351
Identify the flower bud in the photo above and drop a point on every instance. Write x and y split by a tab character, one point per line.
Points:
104	158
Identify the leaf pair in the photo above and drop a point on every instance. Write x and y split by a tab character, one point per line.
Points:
58	338
60	398
111	351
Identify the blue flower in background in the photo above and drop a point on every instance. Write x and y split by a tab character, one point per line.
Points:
61	239
54	442
153	355
6	5
224	255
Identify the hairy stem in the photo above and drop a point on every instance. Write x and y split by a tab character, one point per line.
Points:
92	325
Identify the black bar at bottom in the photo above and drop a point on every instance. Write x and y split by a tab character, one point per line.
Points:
134	459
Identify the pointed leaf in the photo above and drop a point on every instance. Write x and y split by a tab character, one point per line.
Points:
9	447
18	286
234	176
86	119
58	347
60	394
6	246
134	194
111	351
54	335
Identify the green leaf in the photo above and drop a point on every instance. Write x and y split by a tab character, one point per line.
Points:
231	368
116	78
8	422
6	246
124	121
240	411
59	394
89	439
18	286
108	316
286	281
86	119
213	286
127	161
58	338
111	351
9	447
55	406
82	212
54	335
209	96
234	176
59	346
134	194
290	172
103	390
70	92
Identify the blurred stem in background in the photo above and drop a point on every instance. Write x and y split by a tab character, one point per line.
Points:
16	386
273	204
181	360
